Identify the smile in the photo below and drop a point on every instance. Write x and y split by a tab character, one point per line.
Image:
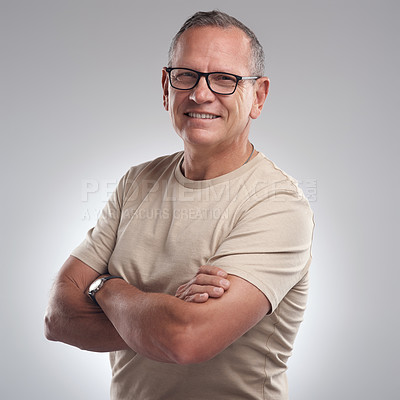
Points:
201	115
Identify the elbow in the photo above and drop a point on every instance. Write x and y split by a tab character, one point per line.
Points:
53	326
189	354
186	358
50	331
190	349
175	345
56	330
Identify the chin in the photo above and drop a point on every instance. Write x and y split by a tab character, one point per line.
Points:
200	138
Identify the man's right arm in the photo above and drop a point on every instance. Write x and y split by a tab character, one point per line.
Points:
73	318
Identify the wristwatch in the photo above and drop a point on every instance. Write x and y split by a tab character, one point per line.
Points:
97	285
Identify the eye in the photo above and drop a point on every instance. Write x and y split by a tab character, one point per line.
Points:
224	78
222	82
184	75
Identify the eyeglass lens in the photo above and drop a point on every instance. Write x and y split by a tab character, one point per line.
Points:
187	79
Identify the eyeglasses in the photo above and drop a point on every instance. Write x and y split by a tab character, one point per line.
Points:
217	82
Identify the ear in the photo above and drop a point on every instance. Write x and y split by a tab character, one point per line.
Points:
260	94
165	88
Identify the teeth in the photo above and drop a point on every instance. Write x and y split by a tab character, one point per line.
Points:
202	116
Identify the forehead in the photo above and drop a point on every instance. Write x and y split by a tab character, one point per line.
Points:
213	49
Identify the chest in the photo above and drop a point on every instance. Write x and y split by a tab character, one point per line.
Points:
164	237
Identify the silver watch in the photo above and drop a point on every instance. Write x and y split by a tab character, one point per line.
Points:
97	285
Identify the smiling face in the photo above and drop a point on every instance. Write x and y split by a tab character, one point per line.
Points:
202	118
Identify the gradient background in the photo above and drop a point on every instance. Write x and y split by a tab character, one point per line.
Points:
81	102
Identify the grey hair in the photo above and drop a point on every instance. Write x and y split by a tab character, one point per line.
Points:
222	20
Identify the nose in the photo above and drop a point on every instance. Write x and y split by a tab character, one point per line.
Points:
201	93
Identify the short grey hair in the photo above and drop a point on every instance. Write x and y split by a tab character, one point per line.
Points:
222	20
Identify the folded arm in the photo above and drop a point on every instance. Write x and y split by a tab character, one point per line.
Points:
73	318
167	329
158	326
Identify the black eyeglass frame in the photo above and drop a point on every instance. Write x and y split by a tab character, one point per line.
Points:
206	75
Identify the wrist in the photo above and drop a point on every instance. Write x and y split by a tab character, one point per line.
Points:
97	284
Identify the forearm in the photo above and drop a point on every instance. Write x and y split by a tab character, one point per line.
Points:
155	325
72	318
167	329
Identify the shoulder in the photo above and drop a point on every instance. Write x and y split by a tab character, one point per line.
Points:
264	182
273	195
142	177
150	171
266	174
153	168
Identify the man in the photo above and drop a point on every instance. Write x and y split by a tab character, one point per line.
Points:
212	243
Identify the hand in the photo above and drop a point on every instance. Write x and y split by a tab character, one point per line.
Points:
209	282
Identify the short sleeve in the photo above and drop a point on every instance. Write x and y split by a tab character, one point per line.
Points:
270	245
97	247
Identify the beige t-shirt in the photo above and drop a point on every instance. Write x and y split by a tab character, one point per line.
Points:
159	227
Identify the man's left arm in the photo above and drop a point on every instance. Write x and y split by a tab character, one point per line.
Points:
165	328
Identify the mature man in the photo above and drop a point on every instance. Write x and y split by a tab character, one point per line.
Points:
212	243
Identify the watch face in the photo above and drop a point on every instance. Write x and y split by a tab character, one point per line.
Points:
95	285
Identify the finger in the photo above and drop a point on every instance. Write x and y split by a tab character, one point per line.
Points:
211	280
211	291
212	270
197	298
183	288
189	290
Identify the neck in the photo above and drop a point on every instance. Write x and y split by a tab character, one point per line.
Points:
203	165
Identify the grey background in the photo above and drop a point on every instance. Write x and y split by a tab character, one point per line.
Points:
81	103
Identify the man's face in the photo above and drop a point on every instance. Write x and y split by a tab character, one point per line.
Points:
212	49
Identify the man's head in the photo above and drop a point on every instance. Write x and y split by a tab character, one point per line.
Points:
222	20
203	117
